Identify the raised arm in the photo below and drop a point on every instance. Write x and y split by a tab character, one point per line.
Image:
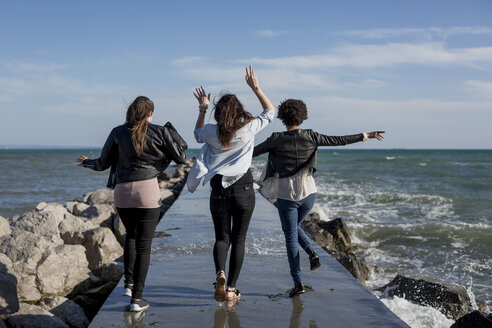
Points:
252	82
105	160
324	140
203	102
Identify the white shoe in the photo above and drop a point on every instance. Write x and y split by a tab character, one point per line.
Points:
128	290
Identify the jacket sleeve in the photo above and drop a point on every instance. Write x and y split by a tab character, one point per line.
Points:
324	140
108	154
264	147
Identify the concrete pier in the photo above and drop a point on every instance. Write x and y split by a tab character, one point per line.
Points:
179	283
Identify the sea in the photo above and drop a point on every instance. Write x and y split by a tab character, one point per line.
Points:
421	213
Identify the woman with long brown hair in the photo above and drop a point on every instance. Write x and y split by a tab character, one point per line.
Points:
224	160
137	153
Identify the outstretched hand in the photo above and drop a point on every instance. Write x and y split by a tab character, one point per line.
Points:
201	96
375	135
251	78
81	159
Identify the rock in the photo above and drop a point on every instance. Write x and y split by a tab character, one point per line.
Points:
165	176
2	324
58	210
475	319
167	197
61	269
112	271
9	302
4	227
99	214
322	237
179	172
34	316
41	223
27	289
358	268
119	229
92	300
25	250
99	196
70	205
101	247
451	303
70	312
72	229
165	185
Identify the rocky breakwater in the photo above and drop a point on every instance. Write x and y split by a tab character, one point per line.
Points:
59	263
334	237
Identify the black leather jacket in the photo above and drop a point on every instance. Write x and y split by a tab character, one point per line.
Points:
119	154
291	151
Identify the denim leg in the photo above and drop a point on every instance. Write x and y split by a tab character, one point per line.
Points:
305	207
287	211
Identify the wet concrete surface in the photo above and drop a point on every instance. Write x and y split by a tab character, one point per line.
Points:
179	283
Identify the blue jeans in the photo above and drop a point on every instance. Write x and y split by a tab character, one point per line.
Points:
292	213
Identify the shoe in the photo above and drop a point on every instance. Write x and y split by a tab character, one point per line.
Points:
314	261
220	293
128	290
236	292
297	290
138	305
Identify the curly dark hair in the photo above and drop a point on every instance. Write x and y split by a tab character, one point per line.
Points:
292	112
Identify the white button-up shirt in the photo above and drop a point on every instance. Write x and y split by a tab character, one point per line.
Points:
234	161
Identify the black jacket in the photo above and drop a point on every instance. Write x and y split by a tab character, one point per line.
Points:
291	151
119	154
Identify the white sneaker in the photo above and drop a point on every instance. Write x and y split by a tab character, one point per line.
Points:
128	290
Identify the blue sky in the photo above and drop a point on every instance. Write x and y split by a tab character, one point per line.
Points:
421	70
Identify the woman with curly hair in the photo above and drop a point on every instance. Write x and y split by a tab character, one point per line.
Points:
288	178
224	160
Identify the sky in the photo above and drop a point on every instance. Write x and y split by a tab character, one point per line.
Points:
420	70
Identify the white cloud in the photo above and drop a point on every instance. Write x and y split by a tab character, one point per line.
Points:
269	33
188	60
391	54
22	67
383	33
479	88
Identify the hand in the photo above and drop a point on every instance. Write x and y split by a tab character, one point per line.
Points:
81	159
375	135
201	96
251	78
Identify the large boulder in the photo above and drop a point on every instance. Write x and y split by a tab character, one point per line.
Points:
70	312
112	271
357	267
99	196
34	316
99	214
451	303
40	223
101	247
58	210
61	269
119	229
92	299
9	302
4	227
475	319
72	229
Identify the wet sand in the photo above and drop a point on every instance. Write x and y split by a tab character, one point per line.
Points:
179	283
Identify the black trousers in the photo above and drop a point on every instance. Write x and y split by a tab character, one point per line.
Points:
140	224
231	210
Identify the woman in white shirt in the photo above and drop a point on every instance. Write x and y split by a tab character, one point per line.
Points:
224	160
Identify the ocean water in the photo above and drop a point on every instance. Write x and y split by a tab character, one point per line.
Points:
420	213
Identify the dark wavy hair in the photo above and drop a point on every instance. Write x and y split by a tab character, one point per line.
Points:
230	116
292	112
136	122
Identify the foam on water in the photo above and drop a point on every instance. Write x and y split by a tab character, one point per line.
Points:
417	316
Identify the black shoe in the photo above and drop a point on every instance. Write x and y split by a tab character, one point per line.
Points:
138	305
314	261
298	289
